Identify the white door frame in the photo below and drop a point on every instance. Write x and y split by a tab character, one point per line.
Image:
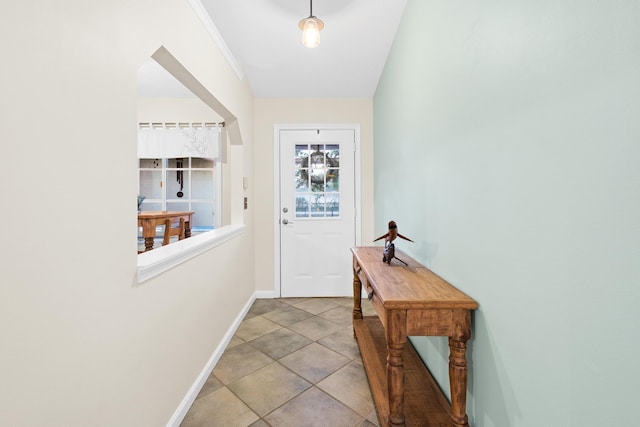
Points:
276	186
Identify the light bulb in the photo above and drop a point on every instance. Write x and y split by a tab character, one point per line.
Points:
311	27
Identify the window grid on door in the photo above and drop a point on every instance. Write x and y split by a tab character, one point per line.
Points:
317	180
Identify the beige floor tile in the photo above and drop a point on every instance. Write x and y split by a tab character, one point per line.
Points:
373	418
343	342
234	342
212	384
240	361
312	341
256	327
280	343
341	315
287	315
314	362
349	385
294	301
220	408
316	305
250	315
261	306
345	301
268	388
314	328
313	408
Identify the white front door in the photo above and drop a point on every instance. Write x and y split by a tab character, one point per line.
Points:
317	212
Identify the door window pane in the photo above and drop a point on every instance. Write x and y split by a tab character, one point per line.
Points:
151	184
332	205
302	185
317	205
151	206
333	180
203	215
202	184
302	205
177	206
317	167
177	184
317	180
197	162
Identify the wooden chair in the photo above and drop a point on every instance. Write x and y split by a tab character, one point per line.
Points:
173	231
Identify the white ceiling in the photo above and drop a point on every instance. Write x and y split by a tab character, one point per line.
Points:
264	38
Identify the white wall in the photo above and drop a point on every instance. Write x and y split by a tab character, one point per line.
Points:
507	145
81	341
175	109
269	112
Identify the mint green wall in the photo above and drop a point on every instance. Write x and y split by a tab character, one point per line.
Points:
507	145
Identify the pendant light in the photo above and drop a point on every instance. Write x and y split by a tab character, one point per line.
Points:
311	27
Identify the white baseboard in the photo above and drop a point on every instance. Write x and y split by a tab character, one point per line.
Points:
265	294
191	395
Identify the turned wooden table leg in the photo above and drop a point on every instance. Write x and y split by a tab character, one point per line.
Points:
148	243
357	293
357	302
395	378
458	369
396	339
148	232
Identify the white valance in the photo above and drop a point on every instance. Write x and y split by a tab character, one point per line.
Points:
157	141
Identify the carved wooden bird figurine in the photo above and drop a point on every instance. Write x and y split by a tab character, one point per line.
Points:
392	234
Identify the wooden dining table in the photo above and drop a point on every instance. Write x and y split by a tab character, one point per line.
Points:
149	220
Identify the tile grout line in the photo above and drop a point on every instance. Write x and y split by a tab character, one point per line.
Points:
275	306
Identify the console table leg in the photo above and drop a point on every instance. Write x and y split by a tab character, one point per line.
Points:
458	382
395	378
357	293
396	339
357	302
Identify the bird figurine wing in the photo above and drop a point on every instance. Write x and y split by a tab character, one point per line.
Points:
391	235
405	238
384	236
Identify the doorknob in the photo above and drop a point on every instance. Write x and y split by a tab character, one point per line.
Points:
286	221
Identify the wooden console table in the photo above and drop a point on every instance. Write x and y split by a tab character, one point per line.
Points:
149	220
410	300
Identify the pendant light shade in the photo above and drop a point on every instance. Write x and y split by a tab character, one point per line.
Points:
311	27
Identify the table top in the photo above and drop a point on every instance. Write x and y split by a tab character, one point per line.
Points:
162	214
413	286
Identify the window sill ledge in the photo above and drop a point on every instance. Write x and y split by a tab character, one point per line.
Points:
157	261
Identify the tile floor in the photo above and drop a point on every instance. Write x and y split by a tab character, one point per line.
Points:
292	362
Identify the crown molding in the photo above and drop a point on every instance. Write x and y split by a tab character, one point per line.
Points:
204	17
